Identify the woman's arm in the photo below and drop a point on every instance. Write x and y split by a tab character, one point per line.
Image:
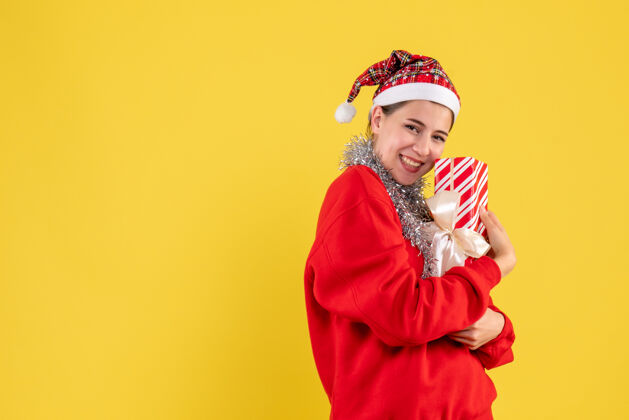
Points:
490	338
360	270
487	328
498	351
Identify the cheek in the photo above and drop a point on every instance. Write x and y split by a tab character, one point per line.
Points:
384	152
390	151
437	152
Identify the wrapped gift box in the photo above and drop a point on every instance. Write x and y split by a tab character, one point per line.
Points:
468	176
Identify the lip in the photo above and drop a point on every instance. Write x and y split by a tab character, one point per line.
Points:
411	169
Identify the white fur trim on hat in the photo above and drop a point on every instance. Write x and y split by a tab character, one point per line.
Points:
418	90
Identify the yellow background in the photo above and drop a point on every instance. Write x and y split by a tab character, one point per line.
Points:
163	163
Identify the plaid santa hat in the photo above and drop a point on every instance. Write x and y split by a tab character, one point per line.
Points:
402	77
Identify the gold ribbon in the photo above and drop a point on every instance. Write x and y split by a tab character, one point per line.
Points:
450	246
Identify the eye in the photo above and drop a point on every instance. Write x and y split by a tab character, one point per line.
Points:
441	139
412	127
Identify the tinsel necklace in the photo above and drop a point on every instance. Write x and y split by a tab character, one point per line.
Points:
407	199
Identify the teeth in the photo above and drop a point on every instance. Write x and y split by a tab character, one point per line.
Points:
410	162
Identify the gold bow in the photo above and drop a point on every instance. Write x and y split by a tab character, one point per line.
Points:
450	246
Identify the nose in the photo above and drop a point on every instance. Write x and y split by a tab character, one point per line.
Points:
422	146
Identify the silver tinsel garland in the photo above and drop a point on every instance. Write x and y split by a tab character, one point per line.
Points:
407	199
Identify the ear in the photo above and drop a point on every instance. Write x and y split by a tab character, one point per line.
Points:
376	119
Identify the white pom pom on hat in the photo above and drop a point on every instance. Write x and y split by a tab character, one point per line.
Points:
402	77
345	112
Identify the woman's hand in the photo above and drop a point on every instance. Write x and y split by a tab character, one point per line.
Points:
482	331
501	249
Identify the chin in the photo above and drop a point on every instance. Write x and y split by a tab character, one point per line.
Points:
408	180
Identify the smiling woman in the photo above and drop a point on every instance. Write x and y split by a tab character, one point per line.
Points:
409	140
390	339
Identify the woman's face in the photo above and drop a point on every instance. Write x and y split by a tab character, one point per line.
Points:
411	139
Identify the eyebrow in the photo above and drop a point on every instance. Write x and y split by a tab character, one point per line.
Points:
421	123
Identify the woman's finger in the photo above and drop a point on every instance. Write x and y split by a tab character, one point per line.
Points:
475	343
495	220
462	340
462	333
458	337
484	216
490	220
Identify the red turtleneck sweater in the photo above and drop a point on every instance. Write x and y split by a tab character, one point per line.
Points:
378	330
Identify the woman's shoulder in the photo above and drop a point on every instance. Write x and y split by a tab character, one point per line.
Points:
357	182
358	185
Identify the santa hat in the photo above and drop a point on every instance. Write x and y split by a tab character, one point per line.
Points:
402	77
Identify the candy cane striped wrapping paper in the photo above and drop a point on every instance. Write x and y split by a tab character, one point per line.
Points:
468	176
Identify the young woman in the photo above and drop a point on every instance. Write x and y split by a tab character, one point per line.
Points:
390	339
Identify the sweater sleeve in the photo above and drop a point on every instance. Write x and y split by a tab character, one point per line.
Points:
361	271
497	352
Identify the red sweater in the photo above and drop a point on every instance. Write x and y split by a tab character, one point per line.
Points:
378	329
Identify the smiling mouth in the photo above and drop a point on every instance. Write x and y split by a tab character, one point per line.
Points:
410	164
